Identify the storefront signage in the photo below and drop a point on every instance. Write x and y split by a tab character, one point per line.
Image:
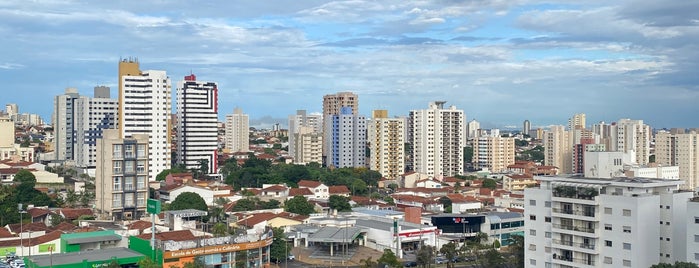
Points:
216	249
460	220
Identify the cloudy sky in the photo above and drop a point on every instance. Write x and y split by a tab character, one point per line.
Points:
501	61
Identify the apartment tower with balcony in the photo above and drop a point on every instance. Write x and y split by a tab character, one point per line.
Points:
197	123
238	131
386	144
437	135
332	105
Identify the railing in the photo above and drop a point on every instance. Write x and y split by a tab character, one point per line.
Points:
573	244
575	212
574	228
576	260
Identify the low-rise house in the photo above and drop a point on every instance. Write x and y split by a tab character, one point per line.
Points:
340	190
319	189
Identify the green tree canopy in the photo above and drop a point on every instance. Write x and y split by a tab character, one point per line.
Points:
490	184
25	176
299	205
425	255
340	203
450	252
390	259
279	248
175	169
189	200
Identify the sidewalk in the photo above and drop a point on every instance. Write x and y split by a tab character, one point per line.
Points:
303	255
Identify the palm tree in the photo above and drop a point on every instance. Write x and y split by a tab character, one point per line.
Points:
71	198
219	229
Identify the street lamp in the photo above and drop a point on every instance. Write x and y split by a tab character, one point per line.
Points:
21	227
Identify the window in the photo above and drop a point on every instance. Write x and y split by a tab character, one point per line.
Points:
547	219
696	220
128	200
532	261
627	263
141	182
626	212
696	256
608	227
547	249
667	223
141	199
627	229
128	184
128	151
547	204
117	184
532	202
667	207
141	151
667	255
116	151
532	247
141	166
608	243
608	260
627	246
116	200
532	217
532	232
116	167
696	238
547	234
608	211
128	167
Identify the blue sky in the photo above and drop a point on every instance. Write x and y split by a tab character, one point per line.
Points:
501	61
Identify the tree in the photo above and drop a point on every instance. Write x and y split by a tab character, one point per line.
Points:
279	247
55	219
189	200
368	263
516	247
340	203
71	198
197	263
245	204
390	259
468	154
490	184
113	264
24	176
204	166
175	169
425	255
220	229
299	205
676	265
148	263
450	252
493	258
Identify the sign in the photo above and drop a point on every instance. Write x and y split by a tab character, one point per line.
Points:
47	248
216	249
153	206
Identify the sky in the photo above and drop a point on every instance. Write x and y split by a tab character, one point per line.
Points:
501	61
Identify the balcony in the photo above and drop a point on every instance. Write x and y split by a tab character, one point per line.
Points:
584	193
574	212
589	262
574	228
573	244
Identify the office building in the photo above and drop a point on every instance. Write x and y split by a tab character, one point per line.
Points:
121	177
632	136
64	125
492	152
558	149
386	144
622	222
678	147
238	131
91	117
526	127
332	105
197	119
145	106
438	138
348	134
310	125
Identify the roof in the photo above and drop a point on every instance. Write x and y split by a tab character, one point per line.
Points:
309	183
257	218
28	227
182	235
64	226
338	189
4	233
75	213
334	234
186	213
33	241
275	188
93	239
38	212
299	191
90	256
140	225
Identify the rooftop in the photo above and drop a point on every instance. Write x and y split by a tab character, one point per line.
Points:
334	234
90	256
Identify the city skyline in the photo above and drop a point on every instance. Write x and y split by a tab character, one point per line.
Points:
501	62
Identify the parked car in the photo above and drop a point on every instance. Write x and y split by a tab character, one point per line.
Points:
441	260
291	257
410	264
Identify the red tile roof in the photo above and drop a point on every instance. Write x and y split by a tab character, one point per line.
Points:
33	227
182	235
299	191
256	219
4	233
75	213
140	225
38	212
309	183
64	226
338	189
275	188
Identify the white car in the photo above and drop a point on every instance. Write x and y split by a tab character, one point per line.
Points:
291	257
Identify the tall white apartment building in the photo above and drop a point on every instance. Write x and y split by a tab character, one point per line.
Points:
238	131
348	133
472	129
121	176
145	106
11	109
310	123
197	123
91	117
680	148
492	152
386	144
332	105
438	137
64	125
692	223
558	149
577	121
308	146
631	136
623	222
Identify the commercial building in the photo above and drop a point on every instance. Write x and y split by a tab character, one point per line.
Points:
91	117
238	131
678	147
472	129
621	222
96	258
306	137
437	135
386	144
492	152
332	105
8	148
145	104
121	181
197	119
348	138
500	226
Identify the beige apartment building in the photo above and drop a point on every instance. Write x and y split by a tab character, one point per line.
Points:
332	105
493	152
678	147
438	138
558	149
308	145
386	144
238	131
121	177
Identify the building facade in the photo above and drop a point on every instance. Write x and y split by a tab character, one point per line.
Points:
632	136
558	149
91	117
145	106
304	130
492	152
348	134
623	222
679	148
438	138
238	131
386	144
332	105
64	125
121	178
197	119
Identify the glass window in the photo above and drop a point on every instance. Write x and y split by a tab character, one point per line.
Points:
116	151
116	167
608	227
608	243
532	261
547	204
141	166
532	232
141	199
128	151
116	200
128	184
532	202
608	260
547	234
627	229
128	200
627	263
547	219
117	183
626	212
696	238
141	153
627	246
608	211
128	167
141	182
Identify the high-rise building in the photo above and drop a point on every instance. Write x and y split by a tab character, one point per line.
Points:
11	109
472	129
145	106
308	145
64	125
558	149
121	177
238	131
197	123
91	117
585	222
678	147
438	137
632	136
493	152
7	132
386	144
577	121
332	105
301	124
526	127
348	134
